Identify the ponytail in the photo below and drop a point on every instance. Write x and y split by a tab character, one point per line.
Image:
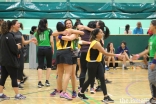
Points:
106	32
6	26
104	28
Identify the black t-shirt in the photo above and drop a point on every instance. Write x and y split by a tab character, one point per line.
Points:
18	37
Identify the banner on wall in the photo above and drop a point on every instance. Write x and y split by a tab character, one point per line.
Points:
94	9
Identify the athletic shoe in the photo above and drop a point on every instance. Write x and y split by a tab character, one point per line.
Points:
24	80
151	101
20	97
98	89
107	68
74	94
131	63
40	85
65	95
107	100
92	91
125	68
20	87
4	97
114	67
47	84
82	96
55	92
107	81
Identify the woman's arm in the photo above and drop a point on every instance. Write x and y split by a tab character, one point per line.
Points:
25	42
81	27
56	33
68	38
52	43
101	49
76	31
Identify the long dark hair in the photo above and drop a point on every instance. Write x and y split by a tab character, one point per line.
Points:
42	26
127	28
104	28
92	24
33	29
76	24
61	27
6	26
94	33
68	20
108	47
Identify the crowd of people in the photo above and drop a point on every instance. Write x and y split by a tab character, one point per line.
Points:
77	47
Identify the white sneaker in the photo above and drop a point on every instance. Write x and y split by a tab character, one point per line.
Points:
92	91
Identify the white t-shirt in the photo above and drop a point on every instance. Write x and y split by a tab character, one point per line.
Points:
129	32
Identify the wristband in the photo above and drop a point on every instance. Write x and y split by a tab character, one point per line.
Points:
137	55
154	61
89	42
60	37
117	55
80	42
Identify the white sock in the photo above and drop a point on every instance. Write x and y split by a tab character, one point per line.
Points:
123	65
18	83
1	94
18	95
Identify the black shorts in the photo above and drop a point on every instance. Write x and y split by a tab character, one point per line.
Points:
64	56
74	59
44	52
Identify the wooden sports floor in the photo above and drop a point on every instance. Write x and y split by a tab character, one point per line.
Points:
127	87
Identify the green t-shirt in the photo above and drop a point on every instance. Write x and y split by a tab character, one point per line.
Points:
152	46
44	37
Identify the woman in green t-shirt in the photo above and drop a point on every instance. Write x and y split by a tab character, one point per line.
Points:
45	49
152	61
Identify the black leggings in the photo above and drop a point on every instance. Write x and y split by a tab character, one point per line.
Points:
21	68
44	53
7	70
83	63
95	69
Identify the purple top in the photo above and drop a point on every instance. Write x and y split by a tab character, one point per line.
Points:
85	37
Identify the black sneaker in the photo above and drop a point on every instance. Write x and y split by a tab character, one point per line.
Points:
40	85
107	100
98	89
82	96
131	63
125	68
20	87
107	81
25	79
47	84
114	67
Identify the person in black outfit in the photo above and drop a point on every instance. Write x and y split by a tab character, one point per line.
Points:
9	54
94	65
19	39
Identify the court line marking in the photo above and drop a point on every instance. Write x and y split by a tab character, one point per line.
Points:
127	92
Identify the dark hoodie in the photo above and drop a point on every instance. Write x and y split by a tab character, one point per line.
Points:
8	51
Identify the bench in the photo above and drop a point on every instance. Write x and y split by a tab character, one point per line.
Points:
138	63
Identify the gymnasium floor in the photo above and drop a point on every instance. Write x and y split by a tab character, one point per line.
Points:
128	87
